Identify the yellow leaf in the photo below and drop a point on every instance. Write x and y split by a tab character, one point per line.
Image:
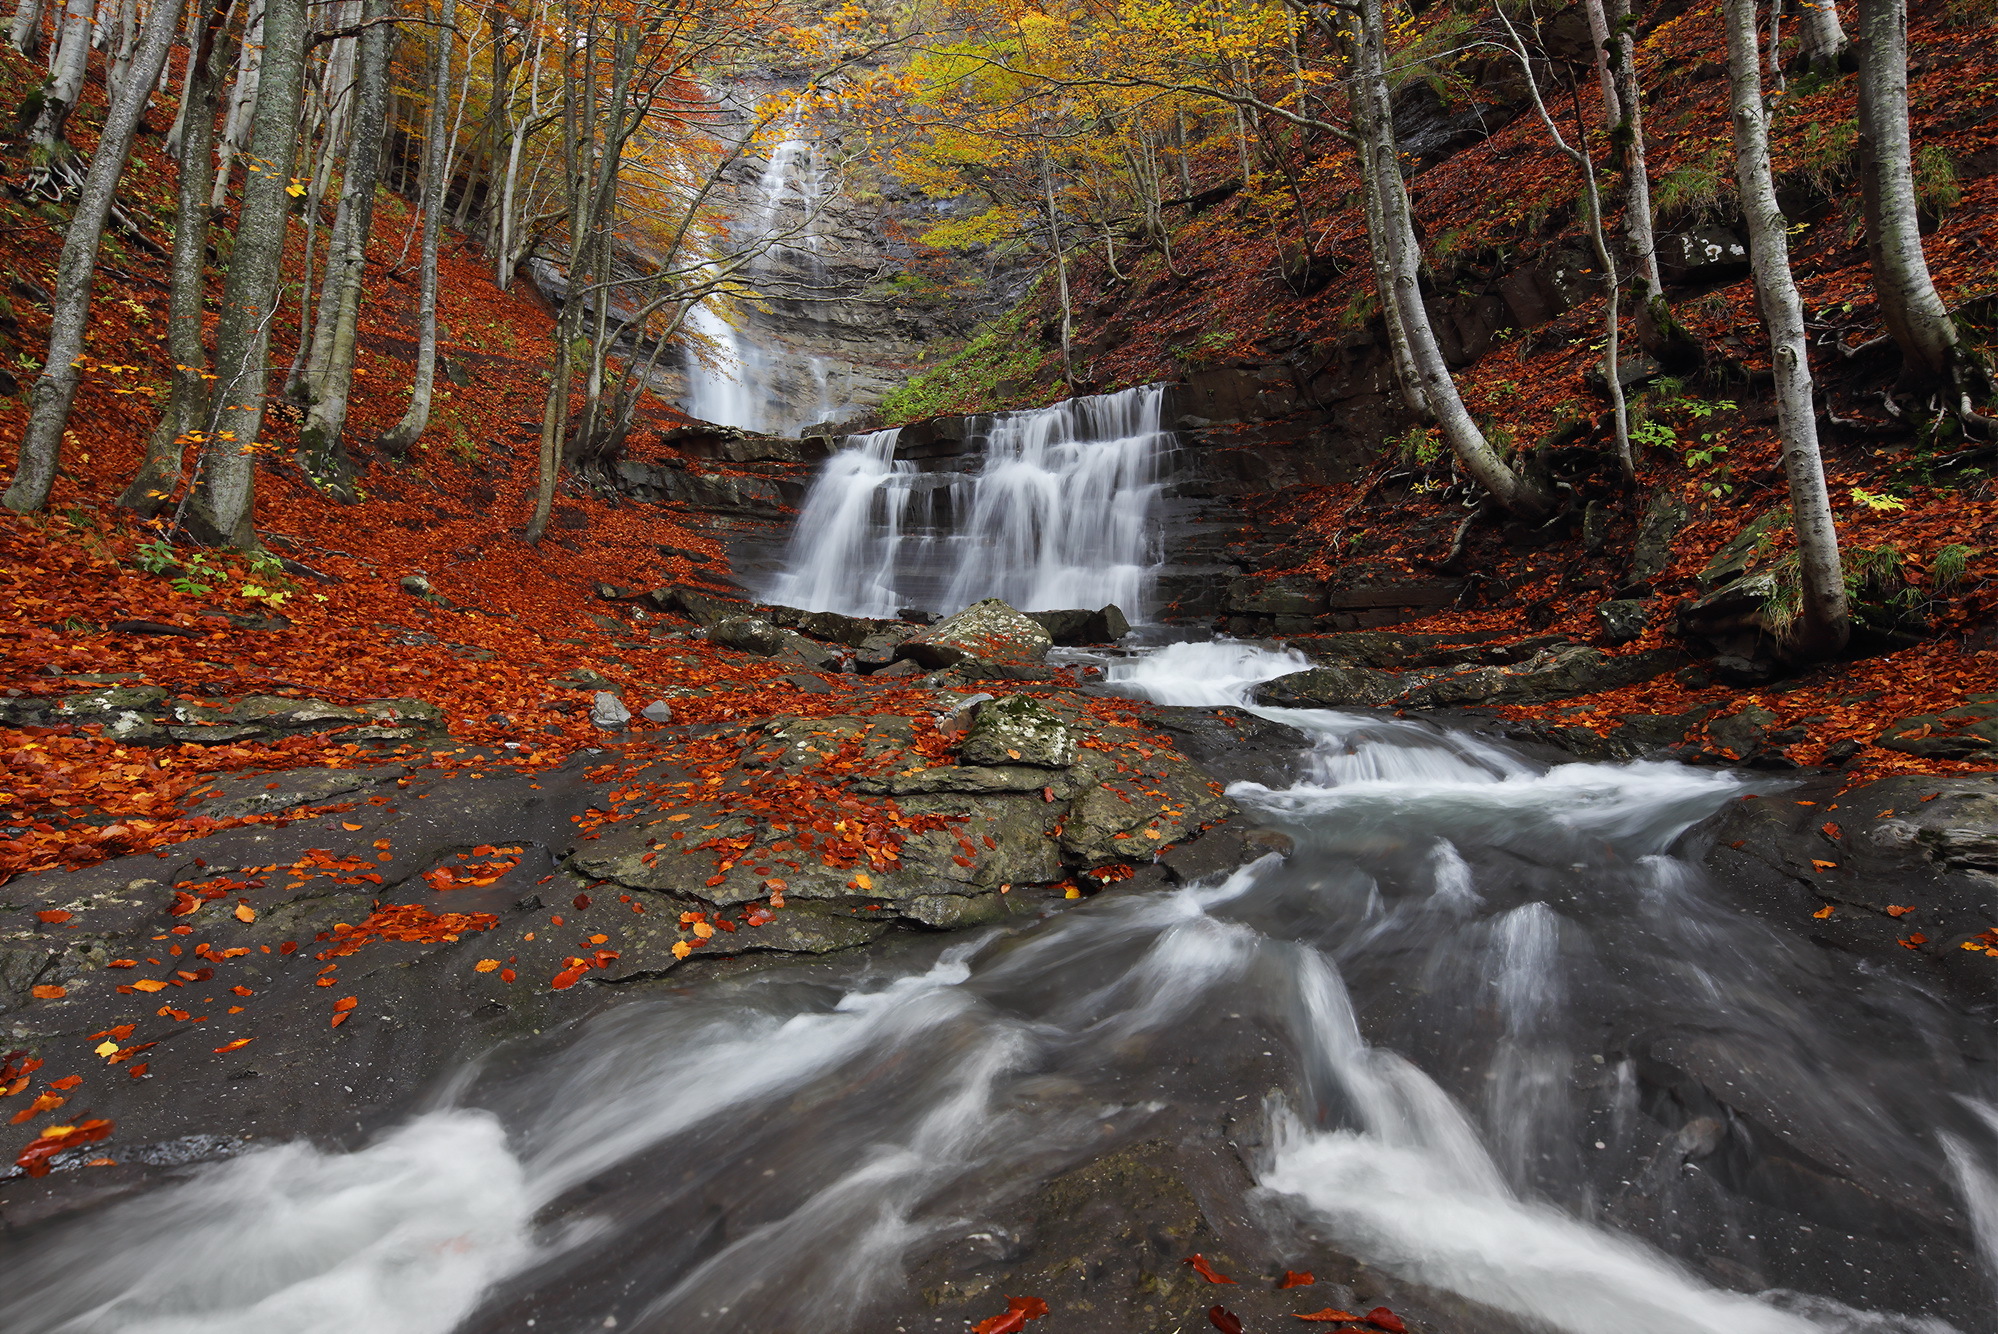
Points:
106	1048
681	949
863	881
1153	833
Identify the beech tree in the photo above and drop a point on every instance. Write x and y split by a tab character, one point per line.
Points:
436	193
221	508
55	390
1824	622
186	410
1933	355
328	374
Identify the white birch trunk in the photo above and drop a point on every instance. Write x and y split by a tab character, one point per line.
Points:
242	104
1824	619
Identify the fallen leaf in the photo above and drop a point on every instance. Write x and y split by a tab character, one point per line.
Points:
1382	1318
1911	942
1205	1270
233	1045
1294	1279
47	1102
569	977
1823	866
1331	1314
34	1160
485	965
681	949
346	1003
149	984
1224	1320
245	913
1019	1310
1899	909
1825	911
53	915
345	825
66	1083
48	992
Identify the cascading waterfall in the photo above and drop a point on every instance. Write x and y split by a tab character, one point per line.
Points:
1062	512
752	380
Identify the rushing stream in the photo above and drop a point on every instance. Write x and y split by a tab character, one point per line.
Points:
1424	1034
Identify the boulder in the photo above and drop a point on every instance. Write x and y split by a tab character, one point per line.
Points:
1708	255
1664	516
1018	730
658	711
1558	673
1077	626
1622	620
1331	687
752	634
608	713
852	631
987	631
1738	553
1287	595
697	606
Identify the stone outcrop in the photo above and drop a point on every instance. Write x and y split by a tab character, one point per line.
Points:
142	715
987	631
1555	672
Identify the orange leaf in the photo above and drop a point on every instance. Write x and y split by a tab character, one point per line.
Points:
1825	911
1823	866
339	1019
53	915
1205	1270
562	981
149	984
66	1083
34	1159
48	992
232	1046
485	965
346	1003
1899	909
345	825
245	913
1293	1279
1330	1314
1019	1310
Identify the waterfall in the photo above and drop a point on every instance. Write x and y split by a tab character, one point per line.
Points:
753	380
1061	512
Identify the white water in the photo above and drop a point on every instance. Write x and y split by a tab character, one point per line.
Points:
749	379
1061	512
827	1135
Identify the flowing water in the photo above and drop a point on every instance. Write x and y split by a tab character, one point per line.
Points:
750	378
1484	1031
1060	511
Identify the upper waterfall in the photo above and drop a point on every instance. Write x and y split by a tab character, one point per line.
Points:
1060	512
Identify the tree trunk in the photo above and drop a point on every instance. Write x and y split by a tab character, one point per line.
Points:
1824	619
222	507
1605	44
1932	354
1820	37
436	192
1405	374
25	33
1061	275
555	411
55	390
66	71
242	104
1374	119
186	409
1658	330
329	369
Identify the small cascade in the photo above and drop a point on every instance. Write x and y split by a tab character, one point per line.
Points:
1060	512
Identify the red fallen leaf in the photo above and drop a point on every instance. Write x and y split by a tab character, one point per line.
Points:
1383	1319
759	917
1831	830
1912	941
1899	909
183	904
1331	1315
506	974
1293	1279
1019	1310
66	1083
53	915
339	1019
562	981
1224	1320
1205	1270
34	1160
582	901
346	1003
